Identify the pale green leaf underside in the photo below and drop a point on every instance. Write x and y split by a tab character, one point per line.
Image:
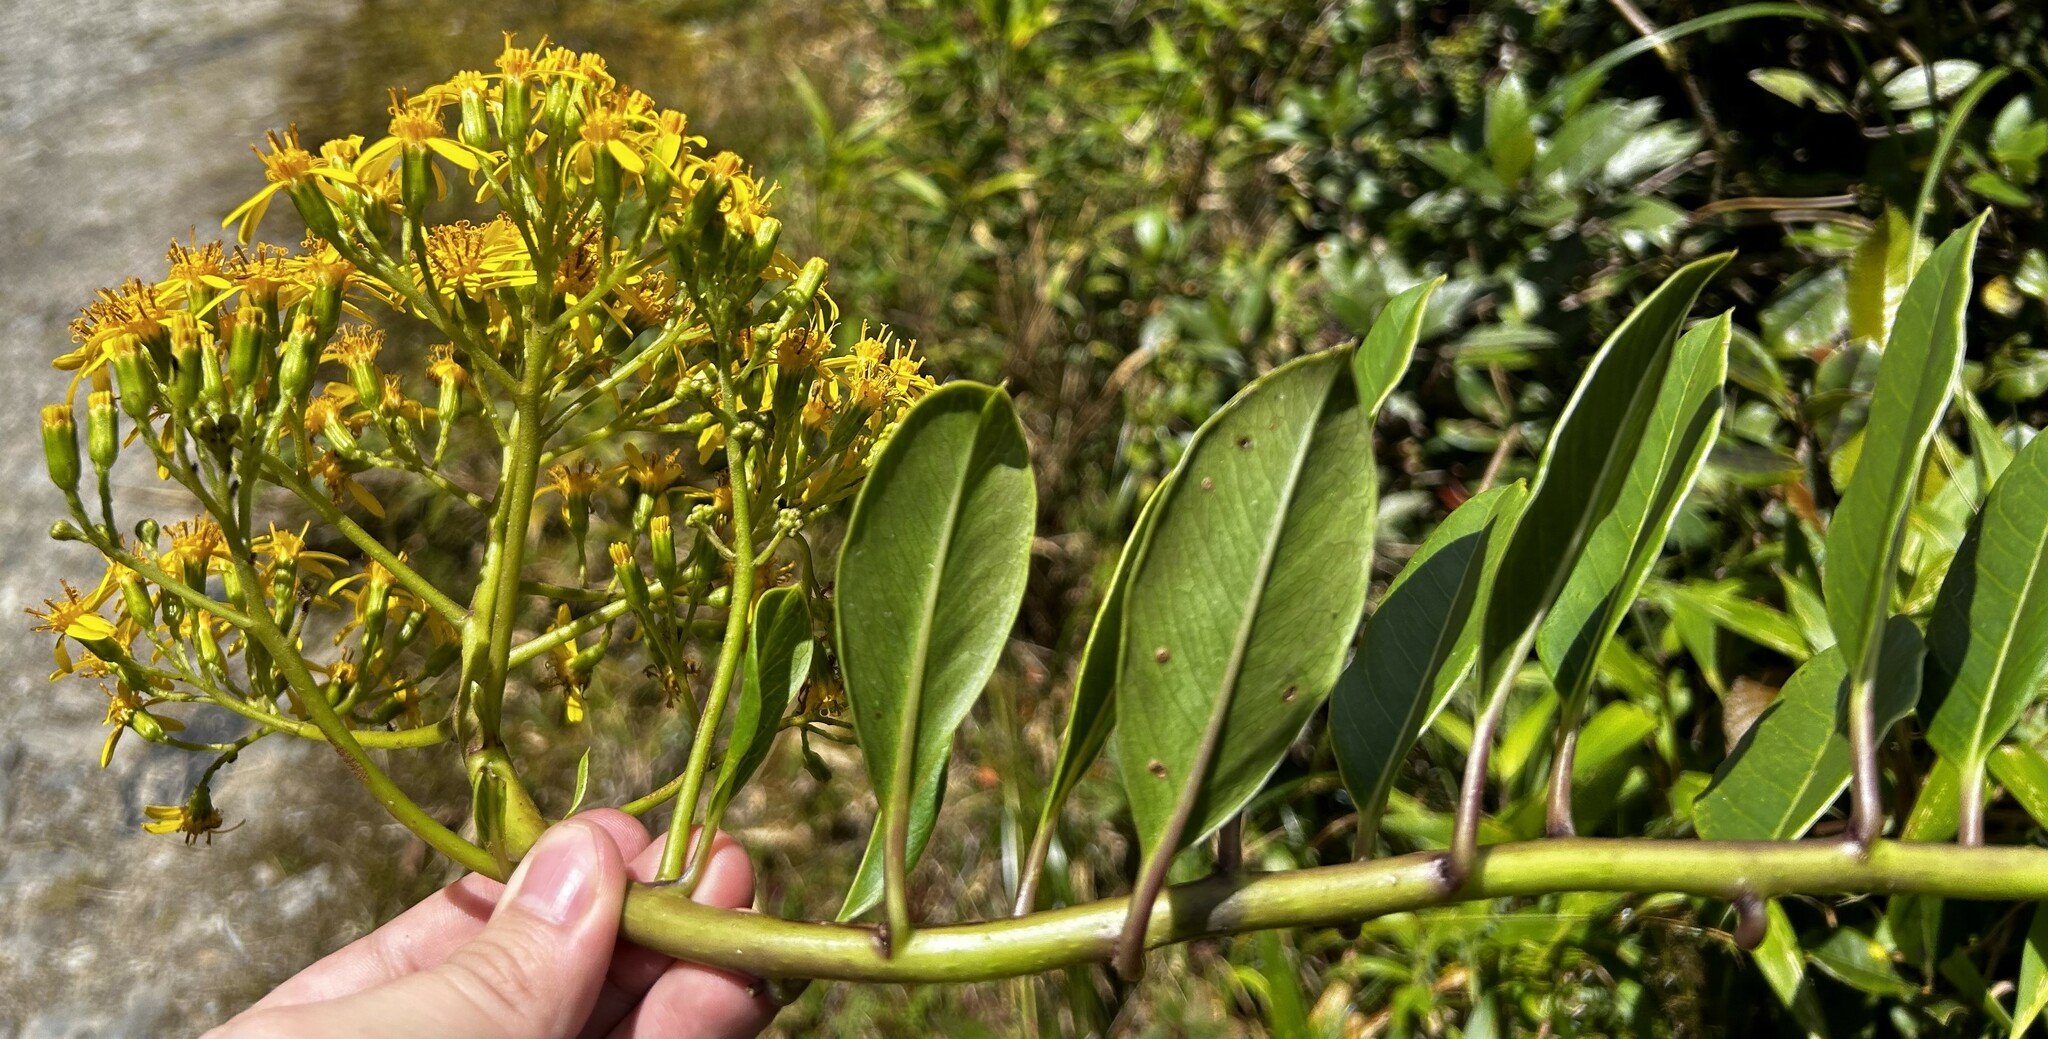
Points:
1090	716
930	576
1584	466
1241	608
1794	761
1625	543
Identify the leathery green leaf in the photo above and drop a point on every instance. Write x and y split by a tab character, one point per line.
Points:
1581	475
1417	647
1794	761
869	878
1379	362
1241	607
1919	368
930	577
1987	642
1626	542
1090	716
777	664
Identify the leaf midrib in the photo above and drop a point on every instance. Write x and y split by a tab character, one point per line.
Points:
1233	669
1978	752
913	692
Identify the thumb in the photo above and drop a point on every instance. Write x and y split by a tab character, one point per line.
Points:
535	970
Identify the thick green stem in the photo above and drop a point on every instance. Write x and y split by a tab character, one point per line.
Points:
665	920
736	619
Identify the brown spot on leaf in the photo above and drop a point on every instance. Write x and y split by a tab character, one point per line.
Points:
1162	655
1157	768
1244	442
1290	694
1208	484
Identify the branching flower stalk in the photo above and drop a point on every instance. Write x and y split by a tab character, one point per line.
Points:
531	288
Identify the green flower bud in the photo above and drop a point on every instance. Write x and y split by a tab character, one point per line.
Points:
632	584
136	381
246	350
135	599
60	446
186	376
103	436
145	725
661	532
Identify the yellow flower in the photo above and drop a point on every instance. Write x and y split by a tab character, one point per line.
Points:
328	468
195	818
123	704
195	546
880	372
287	549
193	270
562	661
473	261
415	126
74	617
653	473
608	128
287	166
442	366
135	312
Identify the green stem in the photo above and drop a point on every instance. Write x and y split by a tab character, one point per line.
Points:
665	920
736	619
407	577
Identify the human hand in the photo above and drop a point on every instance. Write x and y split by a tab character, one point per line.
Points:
545	963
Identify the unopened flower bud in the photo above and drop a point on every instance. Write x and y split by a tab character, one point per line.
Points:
661	532
185	373
632	584
132	375
60	446
103	437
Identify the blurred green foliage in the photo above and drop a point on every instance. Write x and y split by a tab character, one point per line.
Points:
1126	209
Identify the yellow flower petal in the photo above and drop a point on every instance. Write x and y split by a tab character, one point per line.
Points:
89	628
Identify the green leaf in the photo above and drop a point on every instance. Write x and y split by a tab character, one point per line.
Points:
1723	603
1242	606
930	577
1417	648
1090	716
1510	139
1857	960
1919	367
1380	361
2033	991
870	877
1794	761
1626	541
1910	89
1987	642
1799	88
777	664
1583	472
2024	774
1585	466
1778	957
582	784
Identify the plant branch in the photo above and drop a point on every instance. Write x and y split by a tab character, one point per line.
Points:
665	920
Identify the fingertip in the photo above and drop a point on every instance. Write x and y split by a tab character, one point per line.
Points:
624	831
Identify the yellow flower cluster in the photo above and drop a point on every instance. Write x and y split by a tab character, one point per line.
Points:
621	299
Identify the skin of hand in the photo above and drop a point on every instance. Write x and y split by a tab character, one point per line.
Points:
538	958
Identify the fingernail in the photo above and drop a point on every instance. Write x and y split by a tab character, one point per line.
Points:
554	881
